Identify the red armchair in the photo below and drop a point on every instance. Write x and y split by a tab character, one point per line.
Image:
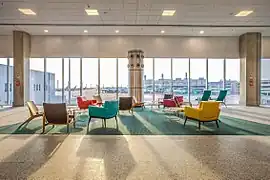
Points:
176	101
83	103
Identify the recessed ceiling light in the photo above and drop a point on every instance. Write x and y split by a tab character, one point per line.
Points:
92	12
162	31
116	31
46	31
85	31
243	13
201	32
27	11
168	12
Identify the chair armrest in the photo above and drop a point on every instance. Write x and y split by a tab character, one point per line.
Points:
192	112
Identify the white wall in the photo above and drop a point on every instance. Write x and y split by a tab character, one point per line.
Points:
6	46
117	46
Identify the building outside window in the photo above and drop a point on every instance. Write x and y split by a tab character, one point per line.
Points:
89	77
265	82
215	76
148	79
122	77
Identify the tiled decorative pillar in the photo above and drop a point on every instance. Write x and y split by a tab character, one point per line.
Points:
21	55
135	70
250	68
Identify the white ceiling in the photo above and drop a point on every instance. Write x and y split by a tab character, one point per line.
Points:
144	16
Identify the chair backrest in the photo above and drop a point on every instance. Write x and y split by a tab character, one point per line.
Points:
125	103
168	96
97	98
32	108
79	99
222	95
210	108
55	113
206	95
112	107
179	100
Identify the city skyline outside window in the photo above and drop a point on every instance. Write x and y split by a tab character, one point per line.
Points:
180	77
36	80
215	76
265	82
162	77
122	77
54	80
3	82
66	80
89	77
148	79
108	78
233	81
197	79
75	79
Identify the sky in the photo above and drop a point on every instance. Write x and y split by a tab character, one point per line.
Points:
108	69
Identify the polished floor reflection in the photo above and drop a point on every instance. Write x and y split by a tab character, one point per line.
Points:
134	157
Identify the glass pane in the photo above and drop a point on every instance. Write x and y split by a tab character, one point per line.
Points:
233	81
122	77
180	77
54	80
66	80
11	69
3	82
108	78
148	79
197	79
37	80
215	76
89	77
74	79
265	82
162	77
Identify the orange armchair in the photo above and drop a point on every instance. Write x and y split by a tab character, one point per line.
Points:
83	103
208	111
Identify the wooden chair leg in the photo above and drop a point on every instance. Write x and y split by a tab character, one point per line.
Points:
43	124
217	123
185	120
199	124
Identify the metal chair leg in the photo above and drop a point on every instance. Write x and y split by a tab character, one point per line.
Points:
199	124
105	123
185	121
88	124
217	123
116	121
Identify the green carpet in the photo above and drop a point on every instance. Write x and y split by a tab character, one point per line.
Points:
145	122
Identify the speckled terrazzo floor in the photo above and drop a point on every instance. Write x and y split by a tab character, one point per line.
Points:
131	157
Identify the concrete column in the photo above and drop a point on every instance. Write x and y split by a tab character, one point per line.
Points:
135	69
250	68
21	55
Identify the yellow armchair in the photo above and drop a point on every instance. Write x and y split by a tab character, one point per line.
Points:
206	112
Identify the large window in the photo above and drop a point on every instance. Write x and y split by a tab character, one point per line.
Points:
215	76
74	79
122	77
67	93
54	80
162	77
233	81
3	82
197	79
108	78
89	77
265	82
148	79
37	80
180	77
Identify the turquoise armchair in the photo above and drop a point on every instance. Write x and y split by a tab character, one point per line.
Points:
205	97
107	111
